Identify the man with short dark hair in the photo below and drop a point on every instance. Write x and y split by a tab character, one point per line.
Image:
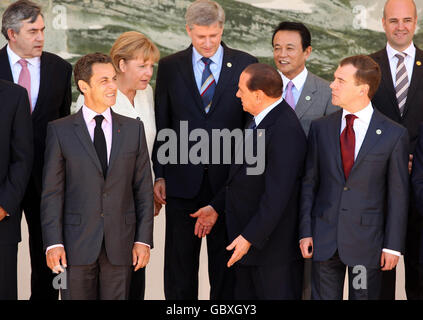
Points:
47	79
97	200
400	98
16	150
308	94
261	208
354	196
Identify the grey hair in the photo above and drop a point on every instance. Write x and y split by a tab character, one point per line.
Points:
16	13
204	13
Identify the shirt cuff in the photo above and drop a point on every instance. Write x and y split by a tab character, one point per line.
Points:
397	253
143	244
157	179
54	246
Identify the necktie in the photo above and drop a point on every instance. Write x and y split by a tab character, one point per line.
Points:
100	144
401	83
25	79
252	124
208	85
348	145
289	97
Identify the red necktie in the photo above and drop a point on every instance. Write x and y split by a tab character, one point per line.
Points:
25	79
348	144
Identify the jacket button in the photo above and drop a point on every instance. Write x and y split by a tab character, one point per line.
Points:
346	189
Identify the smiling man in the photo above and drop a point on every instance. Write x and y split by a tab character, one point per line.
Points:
400	97
197	85
97	200
308	94
47	79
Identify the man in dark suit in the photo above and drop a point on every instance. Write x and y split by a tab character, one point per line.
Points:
15	166
261	208
47	79
355	190
197	85
97	201
308	94
400	97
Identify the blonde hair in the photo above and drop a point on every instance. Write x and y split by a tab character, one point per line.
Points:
131	45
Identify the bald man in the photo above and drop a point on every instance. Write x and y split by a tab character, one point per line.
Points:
400	97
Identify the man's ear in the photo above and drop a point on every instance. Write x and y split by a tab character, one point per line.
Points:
11	34
83	86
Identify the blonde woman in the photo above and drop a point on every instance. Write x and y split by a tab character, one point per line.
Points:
133	56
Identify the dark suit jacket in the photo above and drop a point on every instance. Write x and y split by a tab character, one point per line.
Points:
79	207
16	154
54	100
366	213
385	99
264	208
417	172
177	99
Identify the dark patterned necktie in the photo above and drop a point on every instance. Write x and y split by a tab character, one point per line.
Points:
348	145
401	82
100	144
208	85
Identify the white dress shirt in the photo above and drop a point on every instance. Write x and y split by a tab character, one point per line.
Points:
408	61
298	82
360	126
34	70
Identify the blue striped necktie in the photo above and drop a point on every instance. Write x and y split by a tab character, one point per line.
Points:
208	85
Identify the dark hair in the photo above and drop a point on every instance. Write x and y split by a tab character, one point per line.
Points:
265	78
83	69
295	26
368	72
16	13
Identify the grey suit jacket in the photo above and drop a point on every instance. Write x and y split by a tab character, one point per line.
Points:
79	208
365	213
315	101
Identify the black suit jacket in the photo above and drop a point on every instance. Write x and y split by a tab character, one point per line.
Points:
16	154
79	208
264	208
367	212
54	100
177	99
386	102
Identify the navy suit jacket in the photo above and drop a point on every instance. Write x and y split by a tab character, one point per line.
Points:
365	213
177	99
264	208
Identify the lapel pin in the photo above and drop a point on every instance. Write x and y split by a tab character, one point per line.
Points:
118	130
229	65
260	134
308	98
419	63
378	131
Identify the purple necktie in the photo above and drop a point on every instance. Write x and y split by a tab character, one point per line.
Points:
25	79
289	97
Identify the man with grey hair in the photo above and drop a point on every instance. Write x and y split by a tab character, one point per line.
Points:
197	85
400	97
47	80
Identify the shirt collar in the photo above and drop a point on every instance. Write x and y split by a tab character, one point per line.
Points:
215	58
364	114
258	118
89	114
298	81
14	58
410	51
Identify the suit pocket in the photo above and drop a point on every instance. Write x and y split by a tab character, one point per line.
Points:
130	218
72	219
371	219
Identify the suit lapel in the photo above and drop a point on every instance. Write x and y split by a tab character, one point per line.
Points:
387	80
226	73
187	72
308	91
83	135
116	140
44	84
374	132
416	79
5	71
334	134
